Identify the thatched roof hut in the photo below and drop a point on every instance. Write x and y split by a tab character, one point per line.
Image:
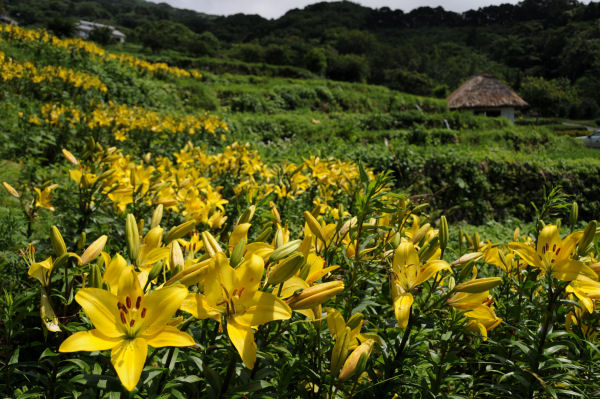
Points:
486	94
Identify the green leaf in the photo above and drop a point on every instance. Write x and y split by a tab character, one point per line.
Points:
14	358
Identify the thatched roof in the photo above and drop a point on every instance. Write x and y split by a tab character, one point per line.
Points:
484	91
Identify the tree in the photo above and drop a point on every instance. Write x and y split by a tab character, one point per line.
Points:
62	27
554	97
316	61
101	35
349	67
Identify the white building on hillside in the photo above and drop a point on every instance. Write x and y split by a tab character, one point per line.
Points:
83	29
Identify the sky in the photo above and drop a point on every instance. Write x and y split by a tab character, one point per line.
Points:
276	8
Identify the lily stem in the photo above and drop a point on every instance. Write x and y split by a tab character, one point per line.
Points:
228	375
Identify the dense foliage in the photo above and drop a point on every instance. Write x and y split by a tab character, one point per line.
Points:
146	252
535	43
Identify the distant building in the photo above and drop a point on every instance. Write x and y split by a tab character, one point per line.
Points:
83	29
486	94
5	19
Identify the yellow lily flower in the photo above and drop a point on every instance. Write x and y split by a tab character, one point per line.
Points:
233	293
44	197
468	301
552	254
586	290
42	271
408	272
482	319
127	323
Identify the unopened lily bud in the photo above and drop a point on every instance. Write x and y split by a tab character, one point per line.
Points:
420	233
179	231
460	240
239	232
81	241
147	157
276	214
516	234
192	274
61	260
264	235
247	216
451	283
476	241
70	157
356	362
588	238
479	285
285	250
278	240
468	239
574	215
467	269
316	295
133	236
11	190
176	255
443	233
286	268
93	250
347	226
314	225
155	271
153	238
157	216
339	352
355	320
95	277
211	245
429	249
47	314
58	244
304	271
467	258
106	174
419	208
237	255
177	269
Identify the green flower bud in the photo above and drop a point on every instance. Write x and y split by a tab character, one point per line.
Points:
58	244
443	233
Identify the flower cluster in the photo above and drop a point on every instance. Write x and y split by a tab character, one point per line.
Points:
125	121
12	70
16	33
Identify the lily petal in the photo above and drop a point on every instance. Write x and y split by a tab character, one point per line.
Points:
160	306
129	286
548	238
128	358
101	308
265	307
170	336
92	340
249	274
113	271
197	306
243	339
402	306
430	269
218	275
527	253
566	269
